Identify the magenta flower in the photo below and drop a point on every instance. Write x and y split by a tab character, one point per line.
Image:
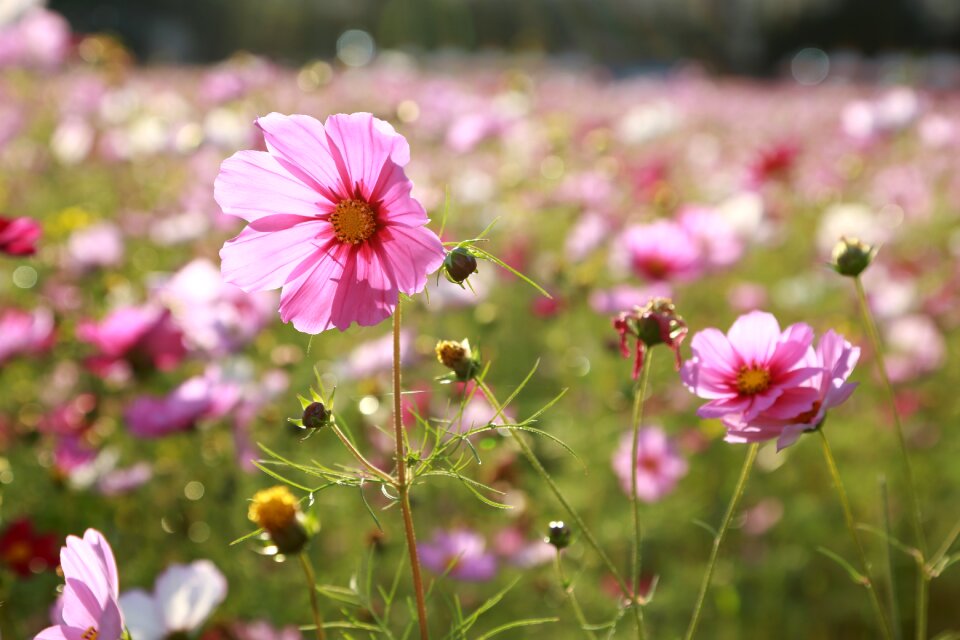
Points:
144	336
18	236
25	333
199	397
659	466
834	360
662	250
755	368
460	553
88	609
332	221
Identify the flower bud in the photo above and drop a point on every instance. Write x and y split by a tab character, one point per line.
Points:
852	256
315	416
558	535
458	264
276	511
459	358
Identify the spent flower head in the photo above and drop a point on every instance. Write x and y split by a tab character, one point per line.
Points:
459	358
852	256
276	511
655	323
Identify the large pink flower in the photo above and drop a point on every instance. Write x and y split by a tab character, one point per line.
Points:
834	359
332	221
755	368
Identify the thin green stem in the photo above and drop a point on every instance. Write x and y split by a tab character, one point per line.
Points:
312	586
403	488
359	456
891	579
574	604
947	543
718	539
538	467
916	517
852	529
639	395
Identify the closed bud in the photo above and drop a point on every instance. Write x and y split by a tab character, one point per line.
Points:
276	511
459	264
851	257
315	416
558	535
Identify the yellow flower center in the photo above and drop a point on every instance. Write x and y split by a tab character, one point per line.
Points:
752	380
90	634
450	353
353	221
273	509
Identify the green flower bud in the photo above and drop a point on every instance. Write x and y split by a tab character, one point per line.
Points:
459	264
851	257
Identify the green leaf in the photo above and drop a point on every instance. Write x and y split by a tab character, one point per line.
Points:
503	265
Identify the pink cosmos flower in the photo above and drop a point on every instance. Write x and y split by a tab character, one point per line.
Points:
460	553
659	466
183	598
200	397
332	221
18	236
755	368
662	250
25	333
88	607
834	360
144	335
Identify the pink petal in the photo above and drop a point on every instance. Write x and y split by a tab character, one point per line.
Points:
792	403
60	633
713	348
300	145
364	147
262	260
411	254
307	297
754	336
794	345
253	184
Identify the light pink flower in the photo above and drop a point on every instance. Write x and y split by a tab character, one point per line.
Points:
755	368
659	466
332	221
145	336
834	359
25	333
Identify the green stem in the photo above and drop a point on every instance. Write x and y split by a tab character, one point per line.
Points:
403	488
359	456
916	517
852	529
947	543
538	467
892	592
639	396
312	586
574	604
718	539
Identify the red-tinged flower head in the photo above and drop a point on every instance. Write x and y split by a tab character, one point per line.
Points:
332	223
25	551
655	323
18	236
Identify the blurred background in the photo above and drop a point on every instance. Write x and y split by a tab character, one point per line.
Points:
730	36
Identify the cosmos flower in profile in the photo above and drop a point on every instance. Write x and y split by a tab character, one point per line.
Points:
332	223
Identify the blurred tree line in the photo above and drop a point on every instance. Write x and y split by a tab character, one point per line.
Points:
744	36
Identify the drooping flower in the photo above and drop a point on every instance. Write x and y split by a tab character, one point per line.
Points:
755	368
25	551
460	553
18	236
834	359
655	323
88	609
183	598
659	465
331	220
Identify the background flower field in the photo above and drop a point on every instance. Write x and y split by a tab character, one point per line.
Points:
745	185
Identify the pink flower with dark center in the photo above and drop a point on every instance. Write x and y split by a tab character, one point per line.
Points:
659	465
143	336
88	609
834	360
18	236
662	250
331	220
755	368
